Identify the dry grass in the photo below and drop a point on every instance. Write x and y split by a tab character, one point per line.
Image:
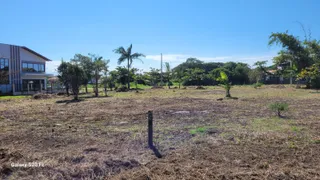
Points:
199	137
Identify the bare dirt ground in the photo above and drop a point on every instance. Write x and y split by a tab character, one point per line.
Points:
198	136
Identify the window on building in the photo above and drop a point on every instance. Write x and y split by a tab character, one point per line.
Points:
41	67
32	67
36	67
4	71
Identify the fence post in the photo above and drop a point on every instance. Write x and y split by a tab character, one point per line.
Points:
150	129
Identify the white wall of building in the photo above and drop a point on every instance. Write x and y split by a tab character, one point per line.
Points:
27	56
4	51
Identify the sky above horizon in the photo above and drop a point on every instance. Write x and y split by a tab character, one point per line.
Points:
210	30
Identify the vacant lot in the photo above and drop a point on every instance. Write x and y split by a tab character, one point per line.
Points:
198	136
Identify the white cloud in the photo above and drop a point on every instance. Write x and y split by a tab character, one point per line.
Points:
51	67
168	57
178	58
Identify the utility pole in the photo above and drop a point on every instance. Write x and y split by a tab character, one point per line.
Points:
161	72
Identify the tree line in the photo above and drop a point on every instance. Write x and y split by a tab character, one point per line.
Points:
297	58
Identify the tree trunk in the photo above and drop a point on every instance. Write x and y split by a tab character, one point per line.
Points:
76	97
228	93
67	90
86	88
105	91
97	90
279	113
128	75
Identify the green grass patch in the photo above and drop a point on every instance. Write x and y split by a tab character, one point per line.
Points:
12	97
199	130
317	141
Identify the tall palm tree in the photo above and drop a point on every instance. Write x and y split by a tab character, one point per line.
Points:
168	73
129	56
99	65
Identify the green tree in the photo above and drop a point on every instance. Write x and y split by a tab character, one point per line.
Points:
77	76
155	76
224	82
168	74
311	75
293	50
85	62
178	75
127	55
99	66
63	75
196	74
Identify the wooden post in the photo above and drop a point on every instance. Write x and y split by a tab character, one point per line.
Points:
150	129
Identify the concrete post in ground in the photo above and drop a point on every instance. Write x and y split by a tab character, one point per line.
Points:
28	88
41	87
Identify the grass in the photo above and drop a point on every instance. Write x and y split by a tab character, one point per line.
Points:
199	137
199	130
12	97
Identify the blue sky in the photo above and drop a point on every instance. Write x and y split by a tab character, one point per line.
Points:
211	30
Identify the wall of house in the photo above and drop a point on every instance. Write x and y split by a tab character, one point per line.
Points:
4	51
27	56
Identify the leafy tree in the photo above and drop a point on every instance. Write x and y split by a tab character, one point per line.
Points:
311	75
224	82
155	76
196	74
137	77
99	66
293	50
120	75
178	75
63	75
127	55
216	73
255	76
85	62
76	76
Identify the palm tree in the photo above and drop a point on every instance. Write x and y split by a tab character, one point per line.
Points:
168	73
99	65
129	56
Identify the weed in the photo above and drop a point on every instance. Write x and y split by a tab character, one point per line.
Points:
257	85
199	130
278	107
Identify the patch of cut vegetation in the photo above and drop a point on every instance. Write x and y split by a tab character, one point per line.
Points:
106	138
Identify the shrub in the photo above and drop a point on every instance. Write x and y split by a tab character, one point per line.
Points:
278	107
122	88
257	85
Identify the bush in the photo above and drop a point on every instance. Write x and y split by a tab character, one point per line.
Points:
257	85
122	89
278	107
